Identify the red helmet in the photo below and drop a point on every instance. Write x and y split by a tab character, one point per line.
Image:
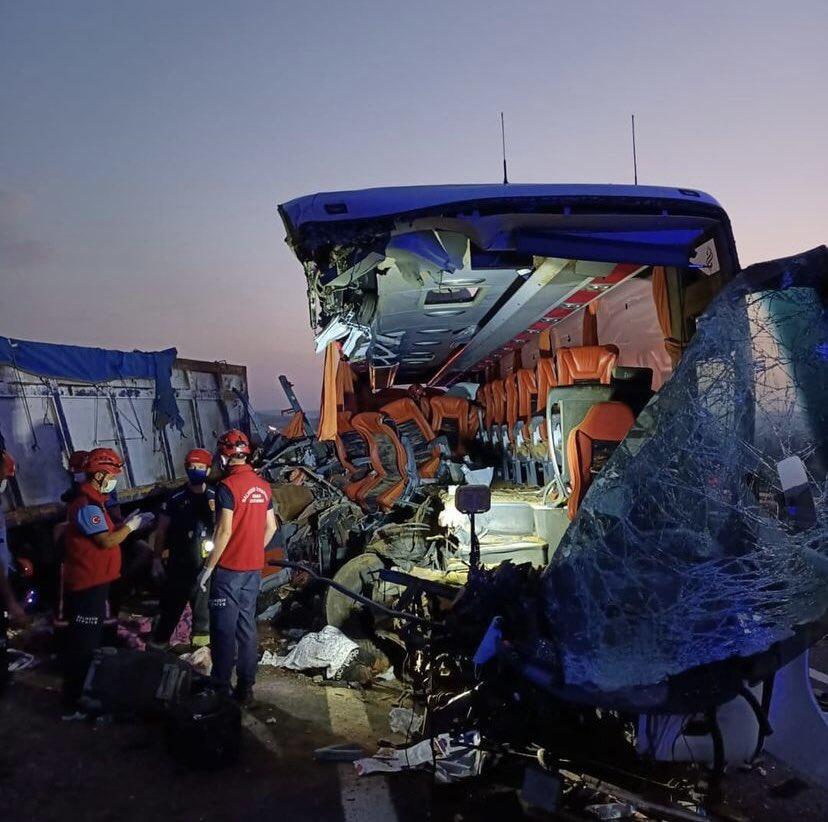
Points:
8	466
104	460
233	443
198	455
77	461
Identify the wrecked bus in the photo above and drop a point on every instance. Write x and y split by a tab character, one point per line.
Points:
650	418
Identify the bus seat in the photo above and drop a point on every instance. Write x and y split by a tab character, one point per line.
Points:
388	461
412	424
546	378
456	419
591	443
586	364
354	455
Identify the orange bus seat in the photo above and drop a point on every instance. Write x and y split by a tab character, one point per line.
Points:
546	378
388	461
586	364
456	419
412	424
591	443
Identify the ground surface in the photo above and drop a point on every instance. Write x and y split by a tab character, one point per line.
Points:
50	770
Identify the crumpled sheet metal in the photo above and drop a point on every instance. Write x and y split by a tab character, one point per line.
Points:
678	557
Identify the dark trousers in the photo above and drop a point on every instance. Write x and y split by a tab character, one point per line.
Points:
233	637
5	676
85	613
181	587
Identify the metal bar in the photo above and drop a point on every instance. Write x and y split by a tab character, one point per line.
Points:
113	407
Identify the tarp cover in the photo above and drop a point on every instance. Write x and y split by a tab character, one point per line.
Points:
98	365
685	552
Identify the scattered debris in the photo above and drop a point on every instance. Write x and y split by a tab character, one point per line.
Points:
200	659
183	631
451	760
346	752
329	649
405	721
541	789
20	660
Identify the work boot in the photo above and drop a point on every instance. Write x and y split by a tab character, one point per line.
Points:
243	694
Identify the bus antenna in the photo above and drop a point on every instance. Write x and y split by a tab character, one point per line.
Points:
503	146
635	159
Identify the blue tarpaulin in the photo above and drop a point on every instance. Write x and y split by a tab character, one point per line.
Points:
96	365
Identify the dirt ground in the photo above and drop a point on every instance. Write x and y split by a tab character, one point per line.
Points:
119	772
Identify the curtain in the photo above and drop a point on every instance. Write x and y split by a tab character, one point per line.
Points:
590	324
327	410
661	299
296	427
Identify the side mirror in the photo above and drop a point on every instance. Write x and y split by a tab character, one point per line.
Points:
473	499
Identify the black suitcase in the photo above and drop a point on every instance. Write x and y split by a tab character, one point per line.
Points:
125	683
204	730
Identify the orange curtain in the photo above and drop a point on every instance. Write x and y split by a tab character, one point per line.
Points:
345	380
661	299
296	427
590	329
327	410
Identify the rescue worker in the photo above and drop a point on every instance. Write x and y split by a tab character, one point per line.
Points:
10	609
185	529
245	524
93	561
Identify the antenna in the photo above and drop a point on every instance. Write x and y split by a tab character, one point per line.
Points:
503	145
635	159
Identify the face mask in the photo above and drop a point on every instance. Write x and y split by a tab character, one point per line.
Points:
197	475
3	484
79	477
109	486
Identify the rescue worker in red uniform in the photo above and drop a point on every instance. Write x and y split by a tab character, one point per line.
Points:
245	524
10	610
92	562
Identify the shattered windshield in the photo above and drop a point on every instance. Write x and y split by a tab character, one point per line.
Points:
692	546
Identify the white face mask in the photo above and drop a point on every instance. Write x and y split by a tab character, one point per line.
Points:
3	484
109	486
79	477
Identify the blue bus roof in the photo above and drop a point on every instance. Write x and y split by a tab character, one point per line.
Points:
343	206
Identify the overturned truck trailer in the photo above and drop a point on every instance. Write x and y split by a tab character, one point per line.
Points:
152	407
652	416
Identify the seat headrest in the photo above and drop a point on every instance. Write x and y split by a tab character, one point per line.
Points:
586	363
450	406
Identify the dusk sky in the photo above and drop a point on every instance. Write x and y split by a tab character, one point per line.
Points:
144	146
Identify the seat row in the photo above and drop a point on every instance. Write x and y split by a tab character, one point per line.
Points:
389	453
521	411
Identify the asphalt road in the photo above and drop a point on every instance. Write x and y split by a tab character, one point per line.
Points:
50	770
